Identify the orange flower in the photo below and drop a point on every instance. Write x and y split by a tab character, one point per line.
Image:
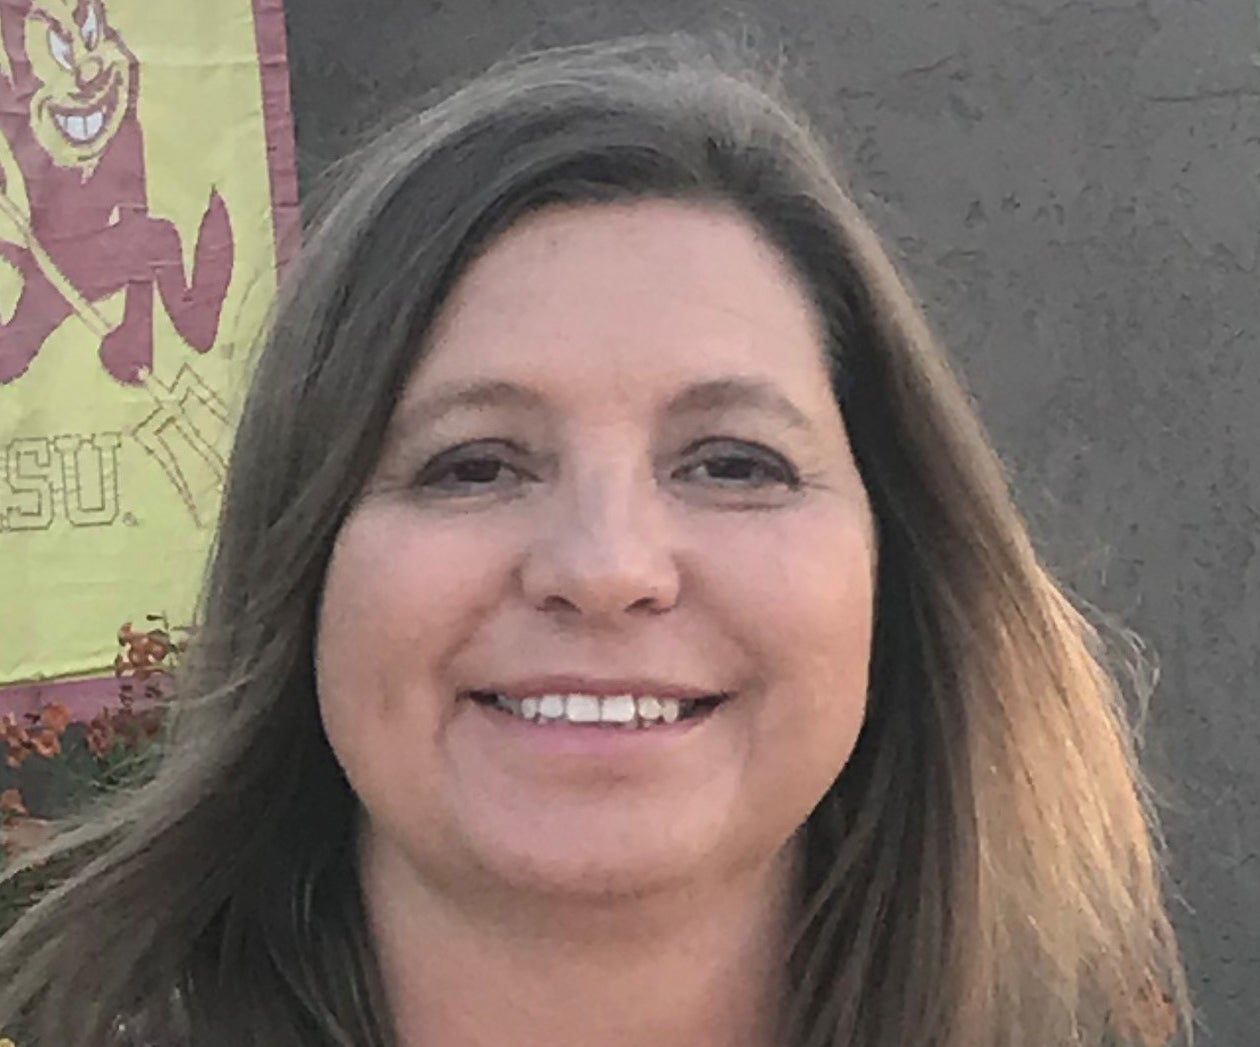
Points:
11	803
56	717
45	743
15	740
143	654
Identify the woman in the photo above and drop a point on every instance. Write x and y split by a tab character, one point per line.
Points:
619	631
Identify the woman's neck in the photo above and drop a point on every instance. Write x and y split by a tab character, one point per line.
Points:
695	968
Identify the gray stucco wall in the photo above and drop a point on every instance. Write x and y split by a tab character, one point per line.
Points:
1075	189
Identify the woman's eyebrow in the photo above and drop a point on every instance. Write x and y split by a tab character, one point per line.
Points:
430	408
724	394
705	397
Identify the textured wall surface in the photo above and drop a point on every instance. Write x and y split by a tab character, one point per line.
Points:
1074	188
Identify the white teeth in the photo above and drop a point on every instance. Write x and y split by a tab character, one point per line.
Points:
81	128
623	710
617	710
582	708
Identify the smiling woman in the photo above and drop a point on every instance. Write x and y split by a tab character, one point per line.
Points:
660	465
615	597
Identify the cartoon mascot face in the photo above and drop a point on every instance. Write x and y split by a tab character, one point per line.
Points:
84	80
75	224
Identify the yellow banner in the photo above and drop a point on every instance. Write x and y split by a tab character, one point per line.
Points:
146	179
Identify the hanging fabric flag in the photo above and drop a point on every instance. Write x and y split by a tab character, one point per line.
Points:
147	200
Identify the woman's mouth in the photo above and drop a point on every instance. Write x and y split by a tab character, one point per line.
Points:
622	711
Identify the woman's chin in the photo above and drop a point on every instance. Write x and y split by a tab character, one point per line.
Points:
595	862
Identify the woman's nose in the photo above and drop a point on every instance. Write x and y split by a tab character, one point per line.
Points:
602	554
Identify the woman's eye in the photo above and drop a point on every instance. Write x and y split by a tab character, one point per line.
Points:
471	470
739	466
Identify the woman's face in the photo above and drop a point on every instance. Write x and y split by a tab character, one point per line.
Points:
617	488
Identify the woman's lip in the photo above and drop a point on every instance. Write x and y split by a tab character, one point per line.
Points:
602	687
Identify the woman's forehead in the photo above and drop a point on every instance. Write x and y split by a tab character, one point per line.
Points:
656	292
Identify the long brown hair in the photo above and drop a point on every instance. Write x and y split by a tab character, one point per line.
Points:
985	870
